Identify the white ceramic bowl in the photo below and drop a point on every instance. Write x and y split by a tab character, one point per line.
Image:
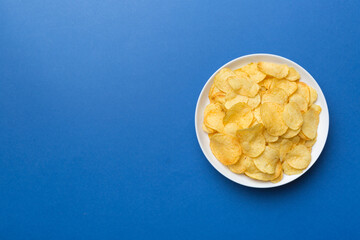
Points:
204	140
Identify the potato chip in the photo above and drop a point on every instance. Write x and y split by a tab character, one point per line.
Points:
293	74
275	95
206	129
266	83
288	170
267	161
253	71
292	116
238	98
290	133
240	114
303	90
213	117
285	147
256	113
274	69
240	166
310	143
225	148
215	95
243	85
231	129
276	145
253	172
311	122
287	86
313	95
254	101
251	140
221	79
279	178
270	138
300	101
295	139
299	157
303	137
271	115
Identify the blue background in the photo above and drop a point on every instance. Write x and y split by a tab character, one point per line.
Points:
97	102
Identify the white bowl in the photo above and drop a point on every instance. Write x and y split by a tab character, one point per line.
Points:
204	140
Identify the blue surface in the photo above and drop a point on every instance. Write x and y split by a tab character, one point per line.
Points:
97	102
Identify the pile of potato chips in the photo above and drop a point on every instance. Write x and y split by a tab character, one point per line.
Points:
261	120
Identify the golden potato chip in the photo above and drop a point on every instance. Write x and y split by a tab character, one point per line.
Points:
267	161
292	116
206	129
313	95
299	157
300	101
275	145
213	117
270	138
303	90
295	139
238	98
310	143
221	79
253	172
287	86
252	140
275	95
293	74
271	115
274	69
266	83
303	137
253	71
279	178
225	148
241	73
240	166
240	114
243	85
231	129
288	170
311	122
291	133
257	115
285	147
254	101
254	122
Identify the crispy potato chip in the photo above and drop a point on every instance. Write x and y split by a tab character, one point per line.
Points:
274	69
243	85
225	148
292	116
253	71
213	117
270	138
276	145
303	137
206	129
254	101
287	86
231	129
288	170
313	95
295	139
221	79
303	90
275	95
311	122
253	172
251	140
240	166
285	147
271	115
240	114
291	133
293	74
267	161
310	143
257	115
279	178
299	157
238	98
266	83
300	101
